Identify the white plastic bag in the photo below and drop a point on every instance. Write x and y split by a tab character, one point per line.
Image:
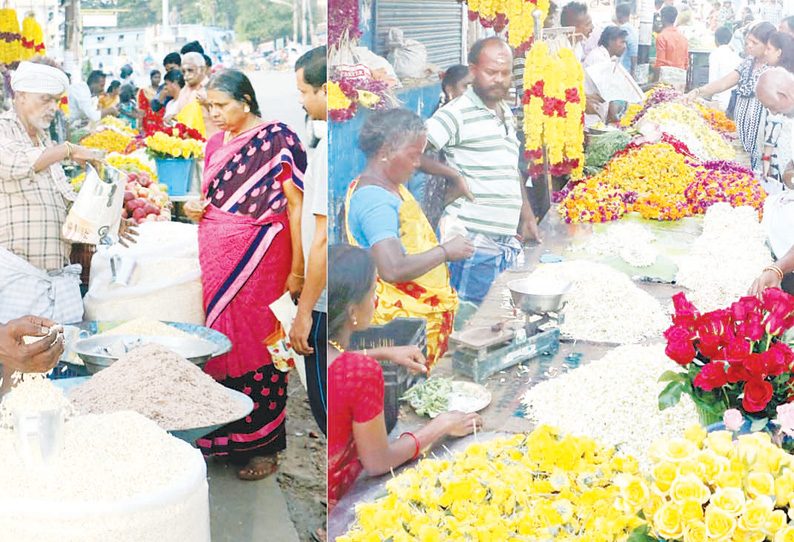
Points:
676	77
96	214
410	56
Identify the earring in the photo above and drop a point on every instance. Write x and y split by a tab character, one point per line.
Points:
355	322
247	109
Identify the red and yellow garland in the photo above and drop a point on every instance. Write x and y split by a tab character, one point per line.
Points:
516	13
554	102
10	46
32	38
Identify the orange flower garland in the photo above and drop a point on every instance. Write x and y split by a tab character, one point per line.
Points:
554	110
32	38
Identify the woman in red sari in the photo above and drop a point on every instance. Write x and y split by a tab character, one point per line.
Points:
250	254
149	120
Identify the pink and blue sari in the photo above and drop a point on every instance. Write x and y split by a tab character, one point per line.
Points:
245	251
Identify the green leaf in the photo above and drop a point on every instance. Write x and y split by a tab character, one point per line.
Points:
758	424
640	534
670	395
671	376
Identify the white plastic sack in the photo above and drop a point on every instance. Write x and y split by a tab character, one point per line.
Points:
614	83
96	214
410	56
166	282
778	222
676	77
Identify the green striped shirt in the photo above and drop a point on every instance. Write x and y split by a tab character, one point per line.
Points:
485	150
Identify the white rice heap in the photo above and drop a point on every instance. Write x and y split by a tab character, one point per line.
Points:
726	258
604	305
33	392
616	401
629	240
117	477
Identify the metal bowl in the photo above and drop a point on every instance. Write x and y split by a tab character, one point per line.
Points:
193	434
533	295
94	350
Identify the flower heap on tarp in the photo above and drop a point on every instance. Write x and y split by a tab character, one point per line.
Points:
718	120
32	38
515	14
713	488
719	180
540	486
346	93
109	139
687	124
10	45
732	358
554	103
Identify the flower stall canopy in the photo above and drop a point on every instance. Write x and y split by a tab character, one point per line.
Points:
437	24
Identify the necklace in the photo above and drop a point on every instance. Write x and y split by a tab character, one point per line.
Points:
336	345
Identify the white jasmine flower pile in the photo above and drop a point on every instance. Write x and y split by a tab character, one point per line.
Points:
629	240
726	258
615	401
604	305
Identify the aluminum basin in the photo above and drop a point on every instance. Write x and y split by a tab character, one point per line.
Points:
536	295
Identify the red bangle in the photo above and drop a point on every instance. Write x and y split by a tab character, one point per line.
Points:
416	441
766	158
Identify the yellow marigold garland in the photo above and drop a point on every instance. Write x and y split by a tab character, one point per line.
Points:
554	110
32	38
517	14
10	46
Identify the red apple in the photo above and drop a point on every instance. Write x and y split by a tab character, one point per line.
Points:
139	214
128	195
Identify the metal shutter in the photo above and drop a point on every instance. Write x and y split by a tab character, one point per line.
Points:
438	24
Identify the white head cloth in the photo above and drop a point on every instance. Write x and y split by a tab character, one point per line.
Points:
39	78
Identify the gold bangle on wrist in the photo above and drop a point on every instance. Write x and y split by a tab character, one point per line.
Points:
775	269
297	276
68	150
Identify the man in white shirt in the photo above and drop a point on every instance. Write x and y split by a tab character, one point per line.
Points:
309	333
722	61
83	99
610	47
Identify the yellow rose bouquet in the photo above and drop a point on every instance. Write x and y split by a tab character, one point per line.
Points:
710	487
161	145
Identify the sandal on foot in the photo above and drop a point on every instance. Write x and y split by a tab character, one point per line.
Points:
259	468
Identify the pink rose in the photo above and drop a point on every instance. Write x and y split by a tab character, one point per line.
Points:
785	418
733	419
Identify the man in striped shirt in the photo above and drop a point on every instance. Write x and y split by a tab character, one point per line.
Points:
477	131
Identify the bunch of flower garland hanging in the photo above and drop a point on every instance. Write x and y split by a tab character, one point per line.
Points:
515	13
10	45
32	38
554	102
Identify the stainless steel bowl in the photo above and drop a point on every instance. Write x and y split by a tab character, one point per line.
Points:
533	295
193	434
94	350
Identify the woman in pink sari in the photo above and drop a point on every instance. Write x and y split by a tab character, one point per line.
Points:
250	253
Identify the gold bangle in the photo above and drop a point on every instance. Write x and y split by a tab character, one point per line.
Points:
776	270
68	150
365	351
297	276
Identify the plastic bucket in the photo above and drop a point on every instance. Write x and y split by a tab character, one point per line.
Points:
176	173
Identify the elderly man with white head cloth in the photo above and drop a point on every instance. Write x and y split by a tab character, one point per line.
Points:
35	275
193	96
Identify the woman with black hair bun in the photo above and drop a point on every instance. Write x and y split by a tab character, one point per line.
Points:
357	438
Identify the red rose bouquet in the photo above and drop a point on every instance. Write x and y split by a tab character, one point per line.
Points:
732	358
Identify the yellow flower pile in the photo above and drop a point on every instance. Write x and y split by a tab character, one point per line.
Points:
631	112
540	486
32	38
649	169
174	147
713	144
337	98
554	78
118	124
130	164
710	488
592	200
108	140
10	45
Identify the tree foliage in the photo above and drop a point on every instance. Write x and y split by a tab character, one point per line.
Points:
259	21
